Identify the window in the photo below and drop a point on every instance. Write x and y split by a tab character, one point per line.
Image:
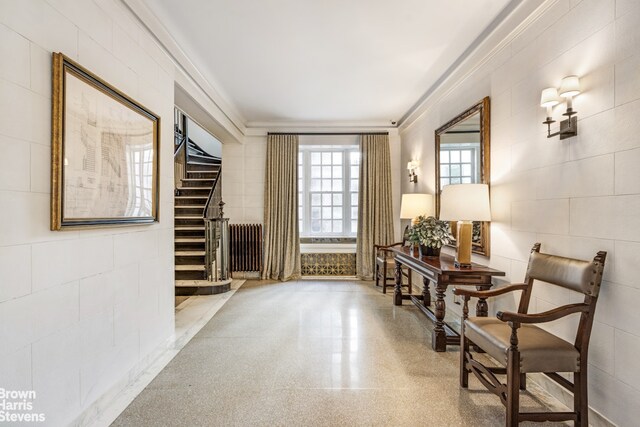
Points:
328	190
140	165
458	164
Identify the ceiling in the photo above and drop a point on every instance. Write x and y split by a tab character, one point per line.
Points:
330	61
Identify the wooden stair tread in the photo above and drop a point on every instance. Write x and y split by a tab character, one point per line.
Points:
187	207
192	197
202	156
189	253
194	188
188	217
202	164
188	228
189	240
189	267
197	179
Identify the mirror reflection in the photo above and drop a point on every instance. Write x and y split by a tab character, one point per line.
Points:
462	145
460	159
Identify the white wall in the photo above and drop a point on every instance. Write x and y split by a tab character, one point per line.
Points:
243	174
243	166
576	196
205	140
78	309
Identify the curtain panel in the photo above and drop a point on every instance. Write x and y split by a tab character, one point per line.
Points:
281	235
375	212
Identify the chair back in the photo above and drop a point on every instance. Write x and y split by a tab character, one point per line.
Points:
405	235
573	274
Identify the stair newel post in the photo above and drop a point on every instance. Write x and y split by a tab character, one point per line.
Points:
208	258
224	249
223	226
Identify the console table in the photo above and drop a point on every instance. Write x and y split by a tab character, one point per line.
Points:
442	272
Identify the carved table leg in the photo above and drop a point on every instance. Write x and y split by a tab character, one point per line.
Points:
426	294
397	295
439	336
482	308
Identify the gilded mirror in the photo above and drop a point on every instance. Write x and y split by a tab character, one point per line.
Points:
462	157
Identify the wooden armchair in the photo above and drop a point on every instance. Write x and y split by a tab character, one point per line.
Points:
521	347
385	265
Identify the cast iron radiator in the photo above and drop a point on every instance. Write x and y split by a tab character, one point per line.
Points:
246	247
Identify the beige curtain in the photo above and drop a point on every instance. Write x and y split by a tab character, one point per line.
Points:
281	235
375	213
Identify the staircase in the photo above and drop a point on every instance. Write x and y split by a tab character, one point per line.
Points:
201	171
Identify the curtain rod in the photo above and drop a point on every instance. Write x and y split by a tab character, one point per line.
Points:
328	133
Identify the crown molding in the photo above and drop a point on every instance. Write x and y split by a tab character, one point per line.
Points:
223	111
497	36
310	124
319	128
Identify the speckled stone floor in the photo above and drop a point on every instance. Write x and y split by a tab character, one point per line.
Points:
315	353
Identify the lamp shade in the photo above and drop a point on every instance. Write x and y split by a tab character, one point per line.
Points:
465	202
549	97
570	86
416	204
412	165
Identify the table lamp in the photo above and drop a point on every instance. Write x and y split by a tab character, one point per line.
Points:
465	203
416	204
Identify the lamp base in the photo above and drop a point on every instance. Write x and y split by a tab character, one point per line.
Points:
461	266
463	244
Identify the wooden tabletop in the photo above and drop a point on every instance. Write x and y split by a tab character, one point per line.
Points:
444	263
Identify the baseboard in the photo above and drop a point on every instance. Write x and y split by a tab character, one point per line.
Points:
191	316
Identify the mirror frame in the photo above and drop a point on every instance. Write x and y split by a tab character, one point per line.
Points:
483	107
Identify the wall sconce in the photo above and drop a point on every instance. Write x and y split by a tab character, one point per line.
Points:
569	87
411	167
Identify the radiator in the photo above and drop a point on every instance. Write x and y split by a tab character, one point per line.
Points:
246	247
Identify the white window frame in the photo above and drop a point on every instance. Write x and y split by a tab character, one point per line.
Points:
474	162
305	192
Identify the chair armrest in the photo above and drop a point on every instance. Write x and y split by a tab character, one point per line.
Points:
382	247
469	293
546	316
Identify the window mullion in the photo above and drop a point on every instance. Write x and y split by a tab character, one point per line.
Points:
346	194
306	159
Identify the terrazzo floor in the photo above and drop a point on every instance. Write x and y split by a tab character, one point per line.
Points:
316	353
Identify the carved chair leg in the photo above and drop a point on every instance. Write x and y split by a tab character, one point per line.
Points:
580	398
384	278
377	274
523	382
464	351
513	388
409	289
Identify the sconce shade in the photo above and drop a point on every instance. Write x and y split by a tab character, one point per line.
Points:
570	86
465	202
412	165
549	97
416	204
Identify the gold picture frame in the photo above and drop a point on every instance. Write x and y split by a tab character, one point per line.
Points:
104	153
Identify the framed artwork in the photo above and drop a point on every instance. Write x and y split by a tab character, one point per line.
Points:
104	161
